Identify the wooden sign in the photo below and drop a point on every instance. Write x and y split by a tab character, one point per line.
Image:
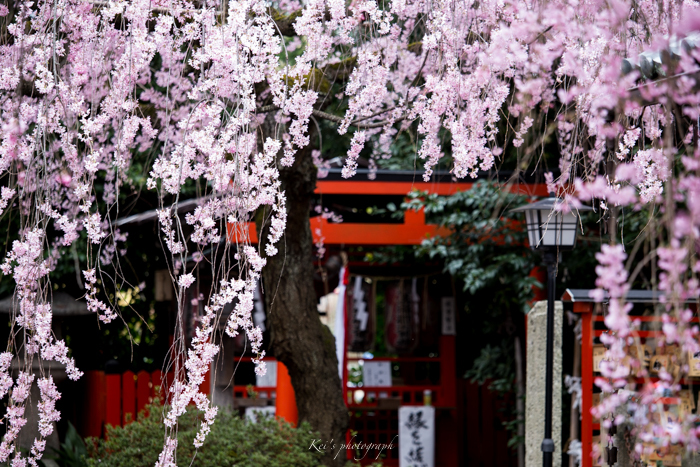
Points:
164	286
376	374
417	436
694	364
449	328
658	362
670	456
646	353
598	355
687	400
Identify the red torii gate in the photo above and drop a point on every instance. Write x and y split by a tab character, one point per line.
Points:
412	231
414	228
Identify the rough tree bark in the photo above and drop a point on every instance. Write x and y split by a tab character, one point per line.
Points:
298	339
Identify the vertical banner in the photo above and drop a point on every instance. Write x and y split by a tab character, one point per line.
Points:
259	307
429	335
402	311
340	321
416	436
360	306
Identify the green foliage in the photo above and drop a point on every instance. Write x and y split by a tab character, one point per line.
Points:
232	441
487	247
512	426
495	363
72	452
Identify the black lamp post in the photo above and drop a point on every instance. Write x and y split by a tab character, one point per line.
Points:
550	231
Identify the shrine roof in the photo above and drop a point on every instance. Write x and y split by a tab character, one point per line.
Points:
633	296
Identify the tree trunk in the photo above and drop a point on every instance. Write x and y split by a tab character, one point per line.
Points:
298	339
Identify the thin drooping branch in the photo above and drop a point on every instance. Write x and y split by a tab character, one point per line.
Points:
339	120
285	23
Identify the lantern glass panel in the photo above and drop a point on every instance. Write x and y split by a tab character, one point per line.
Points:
568	238
533	228
551	227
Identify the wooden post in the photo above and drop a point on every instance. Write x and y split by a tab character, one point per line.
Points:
286	405
574	414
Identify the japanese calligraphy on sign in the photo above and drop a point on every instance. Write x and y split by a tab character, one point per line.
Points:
417	436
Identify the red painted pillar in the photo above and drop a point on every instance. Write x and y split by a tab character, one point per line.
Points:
586	310
286	405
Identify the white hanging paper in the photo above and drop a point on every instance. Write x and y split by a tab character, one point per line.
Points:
417	436
259	314
359	304
376	374
340	324
269	379
268	411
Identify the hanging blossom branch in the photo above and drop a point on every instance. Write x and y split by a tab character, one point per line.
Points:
337	119
81	125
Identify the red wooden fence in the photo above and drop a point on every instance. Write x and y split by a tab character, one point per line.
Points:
116	399
485	439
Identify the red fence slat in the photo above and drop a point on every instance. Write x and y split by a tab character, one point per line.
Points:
143	391
503	456
113	414
128	397
156	383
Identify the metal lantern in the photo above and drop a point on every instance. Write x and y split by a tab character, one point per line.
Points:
550	230
548	227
